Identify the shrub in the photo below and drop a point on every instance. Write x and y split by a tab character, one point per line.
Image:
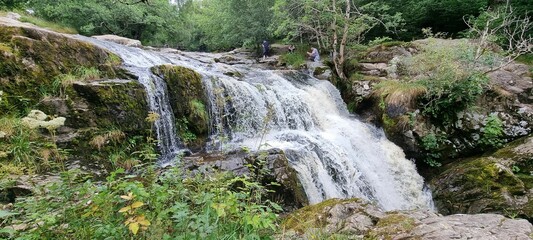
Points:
492	133
444	78
216	205
431	143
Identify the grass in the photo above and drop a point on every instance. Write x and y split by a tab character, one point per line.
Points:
297	58
293	59
47	24
88	74
400	93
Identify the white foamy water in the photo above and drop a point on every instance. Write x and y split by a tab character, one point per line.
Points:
335	155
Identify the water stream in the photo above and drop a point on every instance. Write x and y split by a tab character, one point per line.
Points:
335	155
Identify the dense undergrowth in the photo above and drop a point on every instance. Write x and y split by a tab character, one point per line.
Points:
154	205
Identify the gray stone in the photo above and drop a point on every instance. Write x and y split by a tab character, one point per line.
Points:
120	40
357	219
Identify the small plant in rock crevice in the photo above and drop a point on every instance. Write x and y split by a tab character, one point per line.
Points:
491	134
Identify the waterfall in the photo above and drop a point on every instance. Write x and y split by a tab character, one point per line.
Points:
139	62
335	155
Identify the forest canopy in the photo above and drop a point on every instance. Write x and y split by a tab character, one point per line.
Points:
216	25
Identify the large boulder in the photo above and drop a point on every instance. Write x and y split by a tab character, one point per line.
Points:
32	58
357	219
496	183
64	76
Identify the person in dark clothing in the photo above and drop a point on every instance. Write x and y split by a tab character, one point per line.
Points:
266	48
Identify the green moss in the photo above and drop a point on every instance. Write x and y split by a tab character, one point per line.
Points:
312	216
320	70
392	226
479	185
30	59
389	124
187	96
117	104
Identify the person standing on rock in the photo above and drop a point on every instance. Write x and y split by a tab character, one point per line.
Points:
266	48
313	55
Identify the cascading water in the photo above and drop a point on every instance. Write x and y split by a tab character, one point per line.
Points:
334	154
139	62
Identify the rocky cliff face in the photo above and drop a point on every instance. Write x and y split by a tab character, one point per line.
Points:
507	96
189	103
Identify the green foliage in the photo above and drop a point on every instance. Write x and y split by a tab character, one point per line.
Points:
444	16
379	41
515	169
224	24
451	77
431	143
152	23
492	133
63	82
294	60
26	150
184	132
166	206
11	4
526	59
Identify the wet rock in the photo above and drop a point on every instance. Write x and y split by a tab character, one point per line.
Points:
188	100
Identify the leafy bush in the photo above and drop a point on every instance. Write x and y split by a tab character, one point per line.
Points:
431	143
449	74
492	133
168	206
296	58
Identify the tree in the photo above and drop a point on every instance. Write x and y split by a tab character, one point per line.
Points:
11	4
333	24
151	23
505	28
226	24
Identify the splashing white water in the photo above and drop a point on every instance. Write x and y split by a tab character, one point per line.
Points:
335	155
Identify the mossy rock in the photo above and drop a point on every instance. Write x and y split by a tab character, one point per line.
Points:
114	103
392	226
312	216
30	60
187	98
497	183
